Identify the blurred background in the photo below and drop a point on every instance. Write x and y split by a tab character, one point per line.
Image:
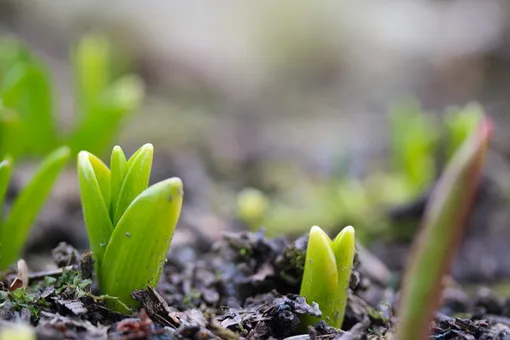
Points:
283	115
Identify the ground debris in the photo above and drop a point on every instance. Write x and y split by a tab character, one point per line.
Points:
447	328
156	306
137	328
65	255
56	326
268	315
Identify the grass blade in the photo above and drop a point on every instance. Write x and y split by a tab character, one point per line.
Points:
344	248
27	205
443	223
93	177
320	277
118	167
5	176
141	239
136	180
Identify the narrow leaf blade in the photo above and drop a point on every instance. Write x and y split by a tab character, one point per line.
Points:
344	249
118	167
446	214
103	176
320	277
27	205
95	212
136	180
141	239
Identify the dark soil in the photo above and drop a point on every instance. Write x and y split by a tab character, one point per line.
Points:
245	287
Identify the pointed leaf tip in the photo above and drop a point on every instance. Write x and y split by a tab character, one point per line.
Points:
320	276
136	179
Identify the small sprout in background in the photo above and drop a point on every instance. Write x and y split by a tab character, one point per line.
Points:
327	273
14	228
252	205
460	123
413	143
129	225
445	217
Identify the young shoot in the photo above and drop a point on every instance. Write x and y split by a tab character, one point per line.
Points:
15	227
327	273
129	225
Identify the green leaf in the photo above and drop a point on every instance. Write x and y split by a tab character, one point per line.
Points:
320	277
344	249
27	90
445	217
94	177
118	165
27	205
5	176
139	244
136	180
103	178
92	69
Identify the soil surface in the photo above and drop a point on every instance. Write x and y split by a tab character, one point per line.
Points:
244	287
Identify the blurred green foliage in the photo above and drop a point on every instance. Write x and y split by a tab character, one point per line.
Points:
28	123
417	140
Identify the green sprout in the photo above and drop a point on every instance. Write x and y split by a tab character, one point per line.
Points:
460	123
14	228
413	144
27	122
327	274
129	225
442	227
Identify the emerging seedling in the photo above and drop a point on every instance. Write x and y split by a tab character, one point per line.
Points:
129	225
15	227
446	214
327	273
